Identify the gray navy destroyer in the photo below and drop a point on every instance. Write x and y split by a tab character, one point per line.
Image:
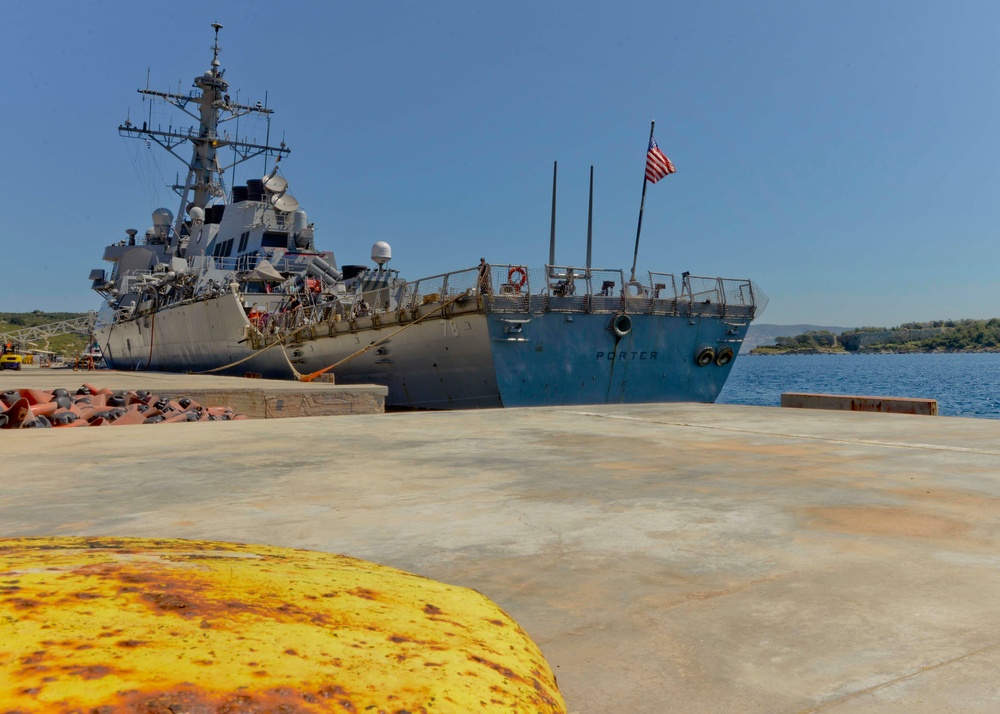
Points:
234	284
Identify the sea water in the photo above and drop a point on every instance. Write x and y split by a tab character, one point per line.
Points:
963	384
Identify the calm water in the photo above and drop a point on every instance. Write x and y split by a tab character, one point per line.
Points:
963	384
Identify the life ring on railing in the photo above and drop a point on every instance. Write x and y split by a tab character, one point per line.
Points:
706	355
522	277
724	356
257	318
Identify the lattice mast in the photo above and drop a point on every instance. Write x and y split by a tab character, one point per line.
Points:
211	107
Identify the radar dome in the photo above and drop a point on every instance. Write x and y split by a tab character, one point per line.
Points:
163	217
197	214
381	252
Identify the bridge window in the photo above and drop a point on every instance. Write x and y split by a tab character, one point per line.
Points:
274	240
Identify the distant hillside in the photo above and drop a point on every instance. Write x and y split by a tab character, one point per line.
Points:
68	345
767	334
935	336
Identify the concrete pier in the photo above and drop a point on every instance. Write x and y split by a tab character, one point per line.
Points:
687	558
857	403
256	398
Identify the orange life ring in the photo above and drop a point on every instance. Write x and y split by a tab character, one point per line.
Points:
257	318
520	281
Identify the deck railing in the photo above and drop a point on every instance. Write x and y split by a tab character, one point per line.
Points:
508	289
514	288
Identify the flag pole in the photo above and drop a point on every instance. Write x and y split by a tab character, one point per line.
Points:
552	229
642	205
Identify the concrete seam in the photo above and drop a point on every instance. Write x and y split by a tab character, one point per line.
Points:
897	680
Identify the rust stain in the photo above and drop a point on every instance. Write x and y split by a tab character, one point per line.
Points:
885	521
505	671
953	499
194	700
20	603
33	658
182	593
93	671
130	644
167	601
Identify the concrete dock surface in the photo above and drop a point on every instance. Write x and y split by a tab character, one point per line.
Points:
666	558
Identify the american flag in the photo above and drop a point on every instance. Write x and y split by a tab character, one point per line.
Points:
657	163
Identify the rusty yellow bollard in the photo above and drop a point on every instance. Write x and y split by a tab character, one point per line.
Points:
125	625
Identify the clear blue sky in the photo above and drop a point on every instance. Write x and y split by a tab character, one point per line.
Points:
844	155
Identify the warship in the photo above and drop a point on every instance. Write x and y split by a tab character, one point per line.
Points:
234	284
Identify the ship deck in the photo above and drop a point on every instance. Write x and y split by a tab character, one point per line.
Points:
678	557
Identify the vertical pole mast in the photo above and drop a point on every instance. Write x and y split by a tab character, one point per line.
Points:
267	141
235	138
642	204
552	230
590	221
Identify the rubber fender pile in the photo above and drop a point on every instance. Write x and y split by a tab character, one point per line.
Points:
90	406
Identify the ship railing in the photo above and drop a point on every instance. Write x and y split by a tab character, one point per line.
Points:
507	288
700	296
441	288
249	261
296	311
401	301
373	302
514	288
226	264
556	288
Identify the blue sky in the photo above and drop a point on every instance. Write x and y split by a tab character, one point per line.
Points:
844	155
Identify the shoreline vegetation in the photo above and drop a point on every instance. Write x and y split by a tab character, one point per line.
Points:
938	336
67	345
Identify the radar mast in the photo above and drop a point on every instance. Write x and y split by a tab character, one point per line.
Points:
211	107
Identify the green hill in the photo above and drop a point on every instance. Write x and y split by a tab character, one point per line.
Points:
67	345
935	336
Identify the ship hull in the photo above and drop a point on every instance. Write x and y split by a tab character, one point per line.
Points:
578	359
470	358
201	336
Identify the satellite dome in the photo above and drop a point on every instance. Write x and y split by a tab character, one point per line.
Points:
381	252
